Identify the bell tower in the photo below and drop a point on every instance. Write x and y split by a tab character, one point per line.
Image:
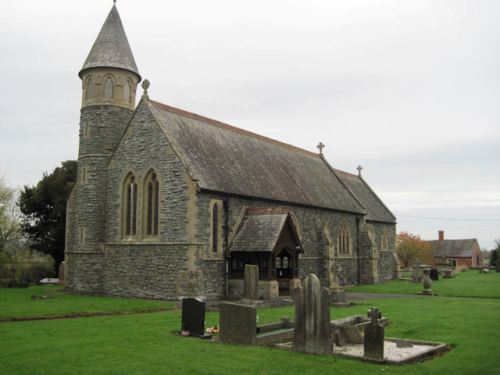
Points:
109	81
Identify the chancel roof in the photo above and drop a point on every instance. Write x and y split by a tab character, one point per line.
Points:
453	248
375	208
226	159
111	48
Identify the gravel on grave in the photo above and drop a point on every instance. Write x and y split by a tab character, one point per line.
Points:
391	351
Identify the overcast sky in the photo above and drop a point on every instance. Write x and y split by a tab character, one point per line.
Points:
410	90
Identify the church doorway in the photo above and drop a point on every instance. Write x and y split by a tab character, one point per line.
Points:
286	269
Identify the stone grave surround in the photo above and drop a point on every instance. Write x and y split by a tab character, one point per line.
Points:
312	318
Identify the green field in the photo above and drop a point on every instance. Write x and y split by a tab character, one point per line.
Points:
146	343
465	284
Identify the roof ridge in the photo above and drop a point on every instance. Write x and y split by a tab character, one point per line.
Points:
223	125
346	173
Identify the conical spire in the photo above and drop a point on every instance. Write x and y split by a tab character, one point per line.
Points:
111	48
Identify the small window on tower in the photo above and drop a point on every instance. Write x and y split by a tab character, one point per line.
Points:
127	91
108	88
89	88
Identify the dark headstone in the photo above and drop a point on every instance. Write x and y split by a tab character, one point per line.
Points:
434	274
374	336
312	318
193	316
251	282
238	323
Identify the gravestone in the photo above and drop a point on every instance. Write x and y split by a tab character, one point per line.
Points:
447	273
62	271
374	336
251	282
312	318
434	274
193	317
238	323
426	282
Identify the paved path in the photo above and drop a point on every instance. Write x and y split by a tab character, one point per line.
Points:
350	296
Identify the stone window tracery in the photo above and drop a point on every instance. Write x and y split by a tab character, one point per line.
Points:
108	88
89	88
344	245
127	91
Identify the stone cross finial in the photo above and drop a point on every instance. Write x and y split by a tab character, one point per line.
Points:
374	314
145	86
359	168
320	147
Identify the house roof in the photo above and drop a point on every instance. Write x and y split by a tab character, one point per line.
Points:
111	48
453	248
226	159
375	208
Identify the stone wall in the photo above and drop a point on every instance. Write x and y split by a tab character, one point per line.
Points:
101	127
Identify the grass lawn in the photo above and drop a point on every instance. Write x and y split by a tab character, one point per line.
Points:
17	302
470	283
145	344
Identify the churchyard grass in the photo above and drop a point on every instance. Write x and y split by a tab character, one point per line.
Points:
470	283
17	303
146	343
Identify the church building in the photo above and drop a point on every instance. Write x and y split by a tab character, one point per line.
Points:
169	203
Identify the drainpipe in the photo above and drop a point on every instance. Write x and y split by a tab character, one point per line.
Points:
358	239
226	242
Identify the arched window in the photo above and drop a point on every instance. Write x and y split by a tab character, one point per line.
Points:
215	228
215	210
108	88
127	91
152	189
89	88
130	206
344	239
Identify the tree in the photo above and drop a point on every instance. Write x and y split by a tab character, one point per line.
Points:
10	220
44	210
494	255
412	249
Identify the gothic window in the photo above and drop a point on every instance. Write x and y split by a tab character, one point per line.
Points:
344	239
215	226
152	189
89	88
108	88
127	91
130	206
83	175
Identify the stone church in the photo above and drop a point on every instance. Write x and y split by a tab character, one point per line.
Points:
169	203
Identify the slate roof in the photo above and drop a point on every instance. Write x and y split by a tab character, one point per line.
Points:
375	208
111	48
453	248
226	159
259	231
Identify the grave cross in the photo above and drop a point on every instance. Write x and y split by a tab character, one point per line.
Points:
320	147
374	314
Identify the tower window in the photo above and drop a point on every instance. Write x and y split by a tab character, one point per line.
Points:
152	201
108	88
89	88
127	91
130	206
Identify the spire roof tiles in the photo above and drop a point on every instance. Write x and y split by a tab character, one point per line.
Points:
111	48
